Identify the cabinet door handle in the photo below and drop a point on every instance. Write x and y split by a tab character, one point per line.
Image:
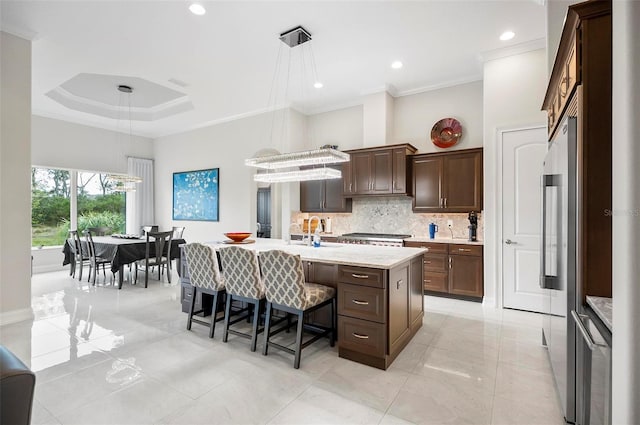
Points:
394	186
427	262
427	280
450	261
440	204
350	186
360	276
445	202
358	302
360	336
398	283
464	250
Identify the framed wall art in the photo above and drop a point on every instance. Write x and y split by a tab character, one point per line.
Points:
196	195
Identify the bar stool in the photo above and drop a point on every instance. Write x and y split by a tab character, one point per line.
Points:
242	279
286	290
205	277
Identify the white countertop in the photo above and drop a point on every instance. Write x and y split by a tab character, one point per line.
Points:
443	240
380	257
604	309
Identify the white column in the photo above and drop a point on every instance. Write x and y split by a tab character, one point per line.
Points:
73	200
377	119
626	208
15	179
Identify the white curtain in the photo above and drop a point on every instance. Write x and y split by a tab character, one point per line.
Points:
140	202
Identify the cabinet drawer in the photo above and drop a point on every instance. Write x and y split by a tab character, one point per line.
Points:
435	262
362	276
362	302
461	249
432	248
438	282
362	336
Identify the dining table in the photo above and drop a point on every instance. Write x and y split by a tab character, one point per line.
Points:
121	251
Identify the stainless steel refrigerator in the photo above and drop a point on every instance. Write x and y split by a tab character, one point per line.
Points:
558	260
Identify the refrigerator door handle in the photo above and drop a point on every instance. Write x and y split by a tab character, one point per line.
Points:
547	281
583	330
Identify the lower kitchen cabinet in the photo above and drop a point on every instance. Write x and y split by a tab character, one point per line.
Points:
452	269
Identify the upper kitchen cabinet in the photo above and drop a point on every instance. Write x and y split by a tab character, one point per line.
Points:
325	195
447	182
379	171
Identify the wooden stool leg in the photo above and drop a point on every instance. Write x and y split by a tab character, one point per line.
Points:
256	322
296	362
267	329
191	307
332	341
227	314
214	310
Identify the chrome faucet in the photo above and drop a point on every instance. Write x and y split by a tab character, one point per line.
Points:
309	228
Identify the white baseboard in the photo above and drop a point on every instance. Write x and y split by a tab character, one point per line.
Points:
15	316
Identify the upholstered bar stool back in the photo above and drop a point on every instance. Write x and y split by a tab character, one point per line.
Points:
17	384
286	290
242	277
205	277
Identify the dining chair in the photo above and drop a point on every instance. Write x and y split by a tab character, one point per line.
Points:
94	260
157	253
205	278
177	232
100	230
286	290
80	256
148	228
243	283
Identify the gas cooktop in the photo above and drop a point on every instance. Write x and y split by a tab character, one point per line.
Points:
375	236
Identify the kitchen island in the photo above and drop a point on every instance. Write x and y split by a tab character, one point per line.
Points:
379	294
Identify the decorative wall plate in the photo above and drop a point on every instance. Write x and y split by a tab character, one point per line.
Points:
446	132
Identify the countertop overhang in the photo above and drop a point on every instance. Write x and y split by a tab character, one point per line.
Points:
380	257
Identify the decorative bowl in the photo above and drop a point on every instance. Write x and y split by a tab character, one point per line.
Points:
446	132
237	236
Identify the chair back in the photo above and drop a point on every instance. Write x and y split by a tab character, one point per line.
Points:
148	228
204	270
241	272
77	244
283	277
99	231
161	242
90	245
177	232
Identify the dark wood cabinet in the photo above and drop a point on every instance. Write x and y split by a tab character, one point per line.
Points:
453	269
379	171
378	311
324	196
447	182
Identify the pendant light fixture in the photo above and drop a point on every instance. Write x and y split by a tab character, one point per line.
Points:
294	38
124	182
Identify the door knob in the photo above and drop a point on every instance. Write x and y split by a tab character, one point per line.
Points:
509	242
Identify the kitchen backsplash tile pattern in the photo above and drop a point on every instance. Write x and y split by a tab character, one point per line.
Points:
394	215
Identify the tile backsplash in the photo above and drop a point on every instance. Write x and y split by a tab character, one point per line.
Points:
394	215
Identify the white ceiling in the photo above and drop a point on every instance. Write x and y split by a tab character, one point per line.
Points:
228	56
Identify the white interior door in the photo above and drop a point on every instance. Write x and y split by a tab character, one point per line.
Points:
523	153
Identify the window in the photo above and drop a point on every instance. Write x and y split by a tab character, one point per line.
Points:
51	202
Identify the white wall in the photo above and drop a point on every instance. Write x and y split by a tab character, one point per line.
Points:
513	92
626	218
341	127
224	146
62	144
15	179
416	114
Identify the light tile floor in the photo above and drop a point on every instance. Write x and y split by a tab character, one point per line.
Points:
104	356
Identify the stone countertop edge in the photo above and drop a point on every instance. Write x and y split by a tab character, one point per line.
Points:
380	257
603	307
443	240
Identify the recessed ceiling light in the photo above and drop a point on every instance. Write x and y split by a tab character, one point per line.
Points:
507	35
318	85
197	9
396	65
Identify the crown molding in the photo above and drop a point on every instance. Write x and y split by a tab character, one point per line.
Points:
88	122
388	88
451	83
516	49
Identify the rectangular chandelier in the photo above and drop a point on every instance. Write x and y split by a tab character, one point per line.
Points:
298	175
297	159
